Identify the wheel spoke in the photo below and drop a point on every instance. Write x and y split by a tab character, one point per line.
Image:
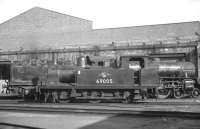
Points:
94	95
163	93
195	92
178	93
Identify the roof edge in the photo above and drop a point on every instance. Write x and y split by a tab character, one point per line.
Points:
163	24
43	9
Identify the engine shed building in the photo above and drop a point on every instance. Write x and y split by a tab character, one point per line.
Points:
40	36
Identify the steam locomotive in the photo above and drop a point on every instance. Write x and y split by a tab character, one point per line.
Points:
124	78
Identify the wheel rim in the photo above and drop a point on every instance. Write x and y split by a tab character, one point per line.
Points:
178	94
94	94
94	101
126	97
195	92
163	93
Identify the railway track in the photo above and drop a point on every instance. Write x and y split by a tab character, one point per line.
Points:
144	103
190	111
188	101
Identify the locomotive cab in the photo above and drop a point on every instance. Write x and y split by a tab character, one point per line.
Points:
136	63
95	61
133	61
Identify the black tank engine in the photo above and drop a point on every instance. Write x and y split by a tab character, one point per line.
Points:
124	78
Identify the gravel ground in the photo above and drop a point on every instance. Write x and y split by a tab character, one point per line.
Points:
92	121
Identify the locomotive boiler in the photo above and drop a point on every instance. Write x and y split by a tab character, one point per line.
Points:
176	79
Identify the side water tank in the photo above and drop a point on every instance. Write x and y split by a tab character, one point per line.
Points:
61	75
67	76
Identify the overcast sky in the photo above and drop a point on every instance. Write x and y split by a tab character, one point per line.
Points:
111	13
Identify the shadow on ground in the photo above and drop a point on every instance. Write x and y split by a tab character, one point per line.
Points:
144	122
15	126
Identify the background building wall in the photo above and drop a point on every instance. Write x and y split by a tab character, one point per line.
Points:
36	26
40	28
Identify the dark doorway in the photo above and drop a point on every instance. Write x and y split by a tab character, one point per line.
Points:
5	67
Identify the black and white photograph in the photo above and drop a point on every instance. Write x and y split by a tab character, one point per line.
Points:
99	64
